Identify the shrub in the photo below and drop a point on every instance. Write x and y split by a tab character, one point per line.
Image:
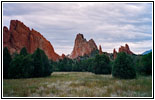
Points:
102	64
145	65
16	70
23	52
21	67
89	63
123	67
41	64
27	66
46	65
6	61
37	63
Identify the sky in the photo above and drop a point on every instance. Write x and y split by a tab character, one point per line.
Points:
108	24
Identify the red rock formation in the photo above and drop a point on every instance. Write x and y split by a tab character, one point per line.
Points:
125	49
100	50
114	53
63	56
82	46
19	36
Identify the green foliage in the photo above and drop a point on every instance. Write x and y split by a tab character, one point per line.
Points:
41	64
26	65
123	67
16	70
102	65
21	67
89	64
144	65
37	63
65	64
94	53
23	52
46	65
6	61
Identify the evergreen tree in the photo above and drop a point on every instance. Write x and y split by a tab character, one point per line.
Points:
27	66
46	66
23	51
37	63
144	66
102	64
16	68
6	62
124	67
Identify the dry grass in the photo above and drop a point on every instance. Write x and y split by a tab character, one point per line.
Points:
78	84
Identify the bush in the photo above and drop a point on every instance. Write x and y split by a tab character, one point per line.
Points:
6	61
64	64
123	67
16	70
21	67
26	65
89	63
144	66
23	52
102	64
46	65
41	64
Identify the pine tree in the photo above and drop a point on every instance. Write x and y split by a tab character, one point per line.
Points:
102	64
6	62
37	63
46	65
23	51
123	67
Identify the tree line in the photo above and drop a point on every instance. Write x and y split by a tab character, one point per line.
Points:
24	65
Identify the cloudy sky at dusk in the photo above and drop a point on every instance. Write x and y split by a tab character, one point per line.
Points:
109	24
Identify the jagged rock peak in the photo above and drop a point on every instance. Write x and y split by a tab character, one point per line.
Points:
19	36
114	53
80	36
100	50
16	24
63	56
125	49
82	46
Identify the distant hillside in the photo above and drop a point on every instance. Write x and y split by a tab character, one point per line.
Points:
146	52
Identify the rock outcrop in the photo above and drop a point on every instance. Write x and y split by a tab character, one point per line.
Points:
125	49
100	50
114	53
82	47
19	36
63	56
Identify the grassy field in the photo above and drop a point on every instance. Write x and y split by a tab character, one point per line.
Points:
78	84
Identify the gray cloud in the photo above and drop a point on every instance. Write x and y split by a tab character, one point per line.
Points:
109	24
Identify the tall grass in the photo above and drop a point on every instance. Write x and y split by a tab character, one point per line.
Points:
78	84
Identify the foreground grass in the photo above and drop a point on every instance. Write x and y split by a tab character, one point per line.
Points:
78	84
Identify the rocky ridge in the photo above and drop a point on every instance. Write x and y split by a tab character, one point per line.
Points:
19	36
125	49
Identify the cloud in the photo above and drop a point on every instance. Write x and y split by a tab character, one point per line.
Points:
109	24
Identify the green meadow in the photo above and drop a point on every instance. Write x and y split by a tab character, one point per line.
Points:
78	84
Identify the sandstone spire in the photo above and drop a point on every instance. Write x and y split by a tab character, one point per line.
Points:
114	53
100	50
82	46
125	49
